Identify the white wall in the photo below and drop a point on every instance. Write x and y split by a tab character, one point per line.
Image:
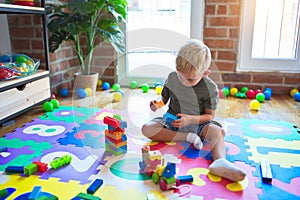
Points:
4	36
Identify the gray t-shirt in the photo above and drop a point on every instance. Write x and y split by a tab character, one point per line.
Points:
190	100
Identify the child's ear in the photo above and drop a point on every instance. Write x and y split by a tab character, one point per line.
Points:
206	73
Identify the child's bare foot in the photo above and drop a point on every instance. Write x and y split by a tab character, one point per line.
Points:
224	168
195	140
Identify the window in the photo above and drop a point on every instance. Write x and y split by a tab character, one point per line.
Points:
155	30
270	36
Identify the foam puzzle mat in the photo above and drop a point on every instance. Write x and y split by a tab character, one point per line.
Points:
79	132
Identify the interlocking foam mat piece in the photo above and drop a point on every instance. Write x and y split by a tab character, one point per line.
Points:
79	132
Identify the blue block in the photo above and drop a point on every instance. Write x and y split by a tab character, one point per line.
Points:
35	193
123	124
95	186
185	179
2	149
168	117
14	169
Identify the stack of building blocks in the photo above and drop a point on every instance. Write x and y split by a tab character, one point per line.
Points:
115	138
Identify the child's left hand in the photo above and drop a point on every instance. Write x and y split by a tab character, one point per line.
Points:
183	120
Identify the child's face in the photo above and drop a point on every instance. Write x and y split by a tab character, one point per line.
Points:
189	79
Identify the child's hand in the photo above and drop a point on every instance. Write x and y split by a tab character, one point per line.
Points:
183	120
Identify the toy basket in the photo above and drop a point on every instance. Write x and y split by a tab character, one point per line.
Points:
17	66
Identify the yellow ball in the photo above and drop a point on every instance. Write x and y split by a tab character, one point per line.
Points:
89	91
233	91
159	89
254	105
117	96
293	91
99	83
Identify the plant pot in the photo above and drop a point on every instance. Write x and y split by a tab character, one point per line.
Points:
86	81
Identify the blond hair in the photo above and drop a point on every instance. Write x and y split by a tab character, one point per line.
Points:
193	56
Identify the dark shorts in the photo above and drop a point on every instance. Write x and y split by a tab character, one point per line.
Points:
192	128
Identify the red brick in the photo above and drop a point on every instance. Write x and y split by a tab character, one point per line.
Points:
223	21
222	9
227	55
37	44
220	43
235	77
234	32
210	9
226	66
215	32
267	78
292	79
234	9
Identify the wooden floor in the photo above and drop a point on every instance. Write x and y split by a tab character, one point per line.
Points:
279	108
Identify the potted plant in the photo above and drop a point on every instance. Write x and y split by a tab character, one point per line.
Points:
86	23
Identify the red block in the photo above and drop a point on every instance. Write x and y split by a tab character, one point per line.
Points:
111	121
41	167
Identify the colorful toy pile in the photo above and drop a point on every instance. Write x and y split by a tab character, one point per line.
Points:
17	66
115	138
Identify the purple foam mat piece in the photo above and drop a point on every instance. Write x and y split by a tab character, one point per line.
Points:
85	162
42	130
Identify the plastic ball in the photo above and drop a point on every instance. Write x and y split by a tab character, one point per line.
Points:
293	91
297	96
48	106
221	94
260	97
233	91
145	87
81	93
257	91
254	105
159	89
99	83
64	92
269	89
116	87
250	94
117	96
225	91
55	103
105	85
244	89
267	94
89	91
157	84
133	84
53	96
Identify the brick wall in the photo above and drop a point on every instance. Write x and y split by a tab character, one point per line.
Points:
222	34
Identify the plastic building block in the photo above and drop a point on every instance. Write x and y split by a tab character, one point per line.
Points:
266	172
87	196
44	197
94	186
185	179
14	169
41	167
60	162
111	121
168	117
170	170
3	193
30	169
3	149
35	193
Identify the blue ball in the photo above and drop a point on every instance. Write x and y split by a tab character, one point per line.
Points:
267	94
157	84
64	92
105	85
269	89
81	93
297	96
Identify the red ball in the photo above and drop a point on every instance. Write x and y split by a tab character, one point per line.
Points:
258	91
221	93
250	94
53	96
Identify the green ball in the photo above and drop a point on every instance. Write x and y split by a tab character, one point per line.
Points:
48	106
244	89
134	84
116	87
55	103
260	97
225	92
145	87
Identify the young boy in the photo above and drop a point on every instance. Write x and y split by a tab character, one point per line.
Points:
193	98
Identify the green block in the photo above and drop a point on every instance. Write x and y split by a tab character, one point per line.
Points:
47	198
170	180
87	196
3	193
30	169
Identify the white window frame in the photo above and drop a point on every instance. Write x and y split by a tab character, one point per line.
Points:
196	32
246	63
